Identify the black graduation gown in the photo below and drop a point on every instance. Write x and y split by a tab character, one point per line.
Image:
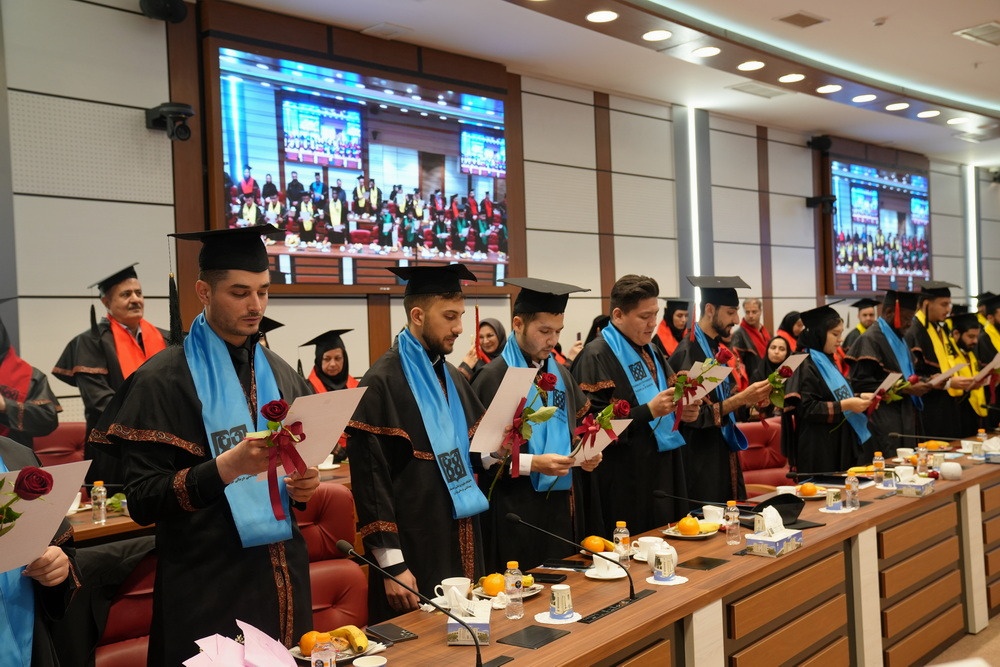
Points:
713	470
940	415
50	601
815	436
849	339
205	579
401	498
743	345
985	351
621	488
556	512
38	415
871	360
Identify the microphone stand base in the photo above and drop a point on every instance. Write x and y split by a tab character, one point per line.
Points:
601	613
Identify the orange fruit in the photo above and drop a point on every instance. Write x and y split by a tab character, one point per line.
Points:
688	526
808	489
932	445
308	643
493	584
912	459
593	543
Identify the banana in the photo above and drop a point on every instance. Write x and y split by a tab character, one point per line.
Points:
862	469
353	634
608	545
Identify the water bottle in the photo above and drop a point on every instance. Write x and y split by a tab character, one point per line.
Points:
323	653
852	501
731	517
921	460
878	464
514	581
99	502
977	446
623	544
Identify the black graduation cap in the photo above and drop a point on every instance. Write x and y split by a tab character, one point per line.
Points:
433	279
992	304
541	296
965	321
328	339
241	248
936	288
815	318
959	309
719	290
861	304
906	300
984	296
673	305
361	177
267	325
104	285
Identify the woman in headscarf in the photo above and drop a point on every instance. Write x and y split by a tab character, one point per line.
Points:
790	328
331	367
818	400
492	338
671	329
776	352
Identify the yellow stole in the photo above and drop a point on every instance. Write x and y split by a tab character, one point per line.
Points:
977	397
936	335
372	197
250	213
861	328
993	333
418	207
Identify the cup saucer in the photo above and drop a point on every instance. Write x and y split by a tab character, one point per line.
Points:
618	574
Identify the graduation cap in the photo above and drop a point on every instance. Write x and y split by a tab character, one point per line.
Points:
267	325
542	296
241	248
992	304
984	296
899	301
431	279
965	321
673	305
327	340
815	318
104	285
933	289
861	304
719	290
959	309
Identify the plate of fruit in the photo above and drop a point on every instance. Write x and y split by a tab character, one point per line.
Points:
810	491
349	641
492	584
690	528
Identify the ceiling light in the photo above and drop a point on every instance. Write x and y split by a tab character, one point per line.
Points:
791	78
383	106
415	97
423	113
404	110
603	16
958	121
657	35
262	66
930	113
706	52
897	106
829	88
861	99
443	117
388	91
750	66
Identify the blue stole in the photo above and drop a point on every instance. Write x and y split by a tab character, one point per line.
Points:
643	386
902	354
730	433
446	426
549	437
840	389
225	415
17	614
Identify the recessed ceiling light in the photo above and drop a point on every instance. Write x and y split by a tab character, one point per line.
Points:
706	52
930	113
405	110
603	16
423	113
443	117
958	121
388	91
791	78
657	35
829	88
262	66
861	99
750	66
897	106
383	106
415	97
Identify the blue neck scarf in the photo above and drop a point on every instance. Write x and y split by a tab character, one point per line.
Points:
730	433
902	354
446	426
17	614
643	386
549	437
227	421
840	389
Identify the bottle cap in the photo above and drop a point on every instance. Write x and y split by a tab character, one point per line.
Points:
98	483
730	503
619	524
878	453
512	565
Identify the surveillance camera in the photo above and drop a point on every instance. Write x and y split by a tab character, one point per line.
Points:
171	117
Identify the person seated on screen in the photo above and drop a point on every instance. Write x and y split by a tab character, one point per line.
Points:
269	189
307	217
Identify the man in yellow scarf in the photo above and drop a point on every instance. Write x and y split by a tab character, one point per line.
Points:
971	404
989	345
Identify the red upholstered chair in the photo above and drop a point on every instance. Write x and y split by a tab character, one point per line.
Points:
63	445
762	461
126	634
361	236
339	586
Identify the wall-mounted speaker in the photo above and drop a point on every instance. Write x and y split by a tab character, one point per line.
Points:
172	11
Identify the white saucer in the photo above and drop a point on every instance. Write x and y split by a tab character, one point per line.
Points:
827	510
676	580
544	617
441	601
592	574
332	466
639	557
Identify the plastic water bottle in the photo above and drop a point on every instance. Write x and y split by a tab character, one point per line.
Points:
921	459
623	544
977	446
852	500
732	519
99	502
514	581
878	463
323	654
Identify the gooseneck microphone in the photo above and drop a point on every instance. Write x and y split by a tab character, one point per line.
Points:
907	436
348	548
514	518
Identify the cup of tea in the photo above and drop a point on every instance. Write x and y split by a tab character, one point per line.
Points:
604	568
712	513
663	565
904	473
462	586
644	547
903	452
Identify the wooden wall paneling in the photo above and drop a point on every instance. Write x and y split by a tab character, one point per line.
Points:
379	327
921	604
894	541
920	567
229	18
926	639
605	197
516	215
837	652
443	65
764	215
353	46
795	637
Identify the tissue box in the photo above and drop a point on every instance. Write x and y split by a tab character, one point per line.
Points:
915	487
781	542
479	622
992	457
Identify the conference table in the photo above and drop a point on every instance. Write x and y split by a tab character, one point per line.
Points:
892	583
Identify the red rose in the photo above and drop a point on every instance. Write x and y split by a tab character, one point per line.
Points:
785	372
32	483
913	379
723	355
547	381
275	411
621	409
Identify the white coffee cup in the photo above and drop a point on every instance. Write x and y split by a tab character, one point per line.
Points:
602	568
712	513
904	473
461	584
644	547
903	452
663	564
785	489
328	461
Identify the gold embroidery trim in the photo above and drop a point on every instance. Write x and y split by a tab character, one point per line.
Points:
598	386
379	527
80	369
147	435
180	490
283	590
584	409
426	456
378	430
467	547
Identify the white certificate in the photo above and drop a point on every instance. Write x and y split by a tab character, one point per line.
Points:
490	432
601	440
941	378
713	377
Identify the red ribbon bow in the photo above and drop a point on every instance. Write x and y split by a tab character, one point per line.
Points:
514	440
588	430
691	386
283	447
876	399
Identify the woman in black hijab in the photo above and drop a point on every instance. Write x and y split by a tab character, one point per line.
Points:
790	328
331	369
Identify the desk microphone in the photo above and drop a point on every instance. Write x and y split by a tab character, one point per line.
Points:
659	493
906	436
513	518
347	548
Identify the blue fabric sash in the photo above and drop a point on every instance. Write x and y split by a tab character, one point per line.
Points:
730	433
902	354
227	421
446	426
549	437
17	612
840	389
643	386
